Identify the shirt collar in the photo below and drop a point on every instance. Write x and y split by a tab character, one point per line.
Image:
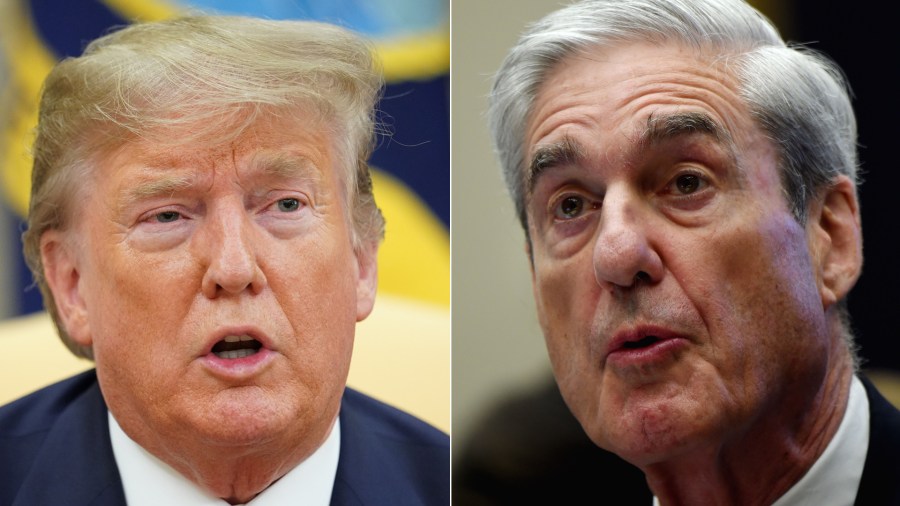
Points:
148	481
834	477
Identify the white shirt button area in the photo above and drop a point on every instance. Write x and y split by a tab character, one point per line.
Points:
834	478
148	481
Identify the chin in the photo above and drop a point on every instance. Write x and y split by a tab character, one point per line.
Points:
245	418
644	431
644	448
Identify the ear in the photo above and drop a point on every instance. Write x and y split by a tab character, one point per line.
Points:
836	241
367	280
61	270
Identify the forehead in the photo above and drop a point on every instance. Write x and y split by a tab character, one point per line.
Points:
273	143
607	97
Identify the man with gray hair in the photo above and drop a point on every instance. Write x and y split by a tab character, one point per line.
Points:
687	186
202	226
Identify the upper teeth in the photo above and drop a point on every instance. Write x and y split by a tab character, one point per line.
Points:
234	339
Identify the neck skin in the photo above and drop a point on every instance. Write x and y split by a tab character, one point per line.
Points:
759	464
236	474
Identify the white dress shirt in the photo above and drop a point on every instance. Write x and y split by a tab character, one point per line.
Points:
149	481
834	478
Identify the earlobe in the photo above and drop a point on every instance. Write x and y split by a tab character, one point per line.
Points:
62	273
367	281
838	241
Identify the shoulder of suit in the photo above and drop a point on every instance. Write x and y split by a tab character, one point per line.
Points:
391	422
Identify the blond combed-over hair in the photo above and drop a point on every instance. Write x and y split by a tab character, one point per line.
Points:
200	79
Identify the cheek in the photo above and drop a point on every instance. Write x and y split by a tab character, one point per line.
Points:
566	297
567	303
762	312
317	290
565	290
127	292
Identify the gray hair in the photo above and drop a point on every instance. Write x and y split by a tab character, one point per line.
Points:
200	79
798	97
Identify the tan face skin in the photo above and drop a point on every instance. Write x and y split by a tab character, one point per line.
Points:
177	248
671	236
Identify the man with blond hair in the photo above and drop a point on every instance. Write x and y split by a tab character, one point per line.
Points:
202	226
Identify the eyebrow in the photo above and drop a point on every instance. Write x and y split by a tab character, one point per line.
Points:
152	187
661	128
566	152
280	165
288	166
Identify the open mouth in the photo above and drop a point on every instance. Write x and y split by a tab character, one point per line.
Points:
236	347
641	343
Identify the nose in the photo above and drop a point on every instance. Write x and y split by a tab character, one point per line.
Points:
623	253
232	266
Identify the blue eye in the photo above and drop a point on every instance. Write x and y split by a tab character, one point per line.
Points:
288	205
167	216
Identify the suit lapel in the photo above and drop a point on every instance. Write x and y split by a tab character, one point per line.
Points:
76	465
354	463
880	482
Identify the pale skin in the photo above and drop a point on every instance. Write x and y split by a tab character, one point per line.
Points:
176	248
690	319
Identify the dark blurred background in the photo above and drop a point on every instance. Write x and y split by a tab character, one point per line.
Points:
862	37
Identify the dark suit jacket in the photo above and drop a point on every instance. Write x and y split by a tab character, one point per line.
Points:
55	450
880	483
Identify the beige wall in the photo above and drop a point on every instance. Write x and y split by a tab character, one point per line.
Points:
497	344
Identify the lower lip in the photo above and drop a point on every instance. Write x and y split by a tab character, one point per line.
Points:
657	353
238	368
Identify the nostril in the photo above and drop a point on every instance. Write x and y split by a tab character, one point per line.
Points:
642	276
